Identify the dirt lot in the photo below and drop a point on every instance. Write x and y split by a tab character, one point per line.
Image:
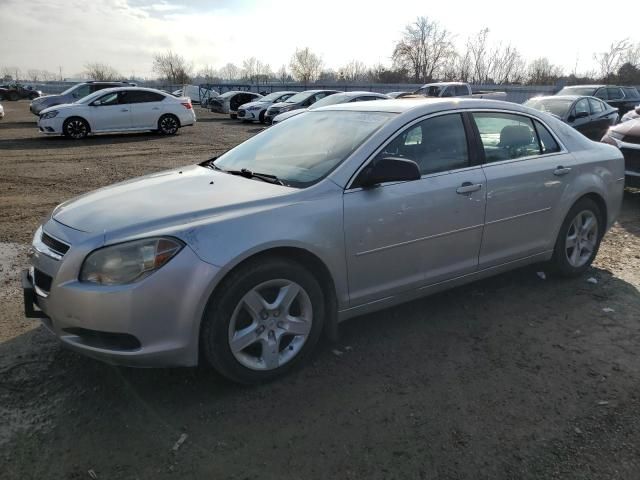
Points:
515	377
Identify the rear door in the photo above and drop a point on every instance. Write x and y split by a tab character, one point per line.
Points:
526	170
600	119
146	108
402	236
580	118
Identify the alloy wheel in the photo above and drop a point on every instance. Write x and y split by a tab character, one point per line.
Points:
270	324
76	129
168	125
582	238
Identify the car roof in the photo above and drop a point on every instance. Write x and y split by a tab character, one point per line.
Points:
560	97
588	86
142	89
360	93
424	105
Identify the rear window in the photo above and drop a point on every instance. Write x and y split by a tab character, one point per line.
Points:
577	91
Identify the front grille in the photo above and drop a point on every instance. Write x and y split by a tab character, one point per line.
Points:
55	245
105	340
42	280
631	139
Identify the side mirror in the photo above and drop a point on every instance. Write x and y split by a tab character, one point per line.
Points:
389	169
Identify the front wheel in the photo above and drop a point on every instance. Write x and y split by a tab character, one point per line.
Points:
579	239
76	128
168	124
13	96
265	318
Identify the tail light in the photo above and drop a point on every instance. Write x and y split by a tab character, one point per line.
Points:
187	105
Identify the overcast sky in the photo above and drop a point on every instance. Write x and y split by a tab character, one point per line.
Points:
47	34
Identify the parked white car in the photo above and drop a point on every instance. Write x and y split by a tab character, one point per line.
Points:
335	99
122	109
196	93
230	101
1	112
254	111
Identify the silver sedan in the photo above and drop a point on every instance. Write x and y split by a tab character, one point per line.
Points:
243	261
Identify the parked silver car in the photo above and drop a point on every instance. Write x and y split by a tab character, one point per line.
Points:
244	260
73	94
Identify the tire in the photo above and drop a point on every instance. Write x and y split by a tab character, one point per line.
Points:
13	96
233	116
168	124
573	261
261	116
76	128
269	347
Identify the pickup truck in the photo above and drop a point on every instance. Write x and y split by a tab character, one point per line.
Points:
456	89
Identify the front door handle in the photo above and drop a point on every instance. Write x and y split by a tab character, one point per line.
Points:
468	187
560	170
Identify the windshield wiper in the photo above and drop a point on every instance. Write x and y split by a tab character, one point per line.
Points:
246	173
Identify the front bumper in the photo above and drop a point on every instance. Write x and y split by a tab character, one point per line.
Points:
151	323
248	115
631	153
50	126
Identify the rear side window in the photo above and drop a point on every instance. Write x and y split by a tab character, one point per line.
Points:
140	96
631	93
614	93
462	90
547	142
506	136
437	144
582	106
596	106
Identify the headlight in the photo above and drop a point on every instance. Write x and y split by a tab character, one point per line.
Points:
255	107
128	262
51	114
616	135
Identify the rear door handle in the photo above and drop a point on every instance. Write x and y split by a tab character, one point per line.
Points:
468	187
560	170
124	110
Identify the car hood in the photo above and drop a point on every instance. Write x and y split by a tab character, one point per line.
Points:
292	113
60	107
259	103
281	104
165	199
630	127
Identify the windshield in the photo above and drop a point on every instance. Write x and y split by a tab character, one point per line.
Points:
300	97
331	100
557	106
91	97
272	97
430	90
70	89
577	91
298	151
228	94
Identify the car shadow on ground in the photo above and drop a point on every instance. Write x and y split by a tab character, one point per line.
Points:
9	125
63	142
629	217
514	355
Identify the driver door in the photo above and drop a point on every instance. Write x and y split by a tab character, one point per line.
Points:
111	112
581	114
400	236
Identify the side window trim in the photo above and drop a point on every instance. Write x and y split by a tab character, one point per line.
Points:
563	149
406	127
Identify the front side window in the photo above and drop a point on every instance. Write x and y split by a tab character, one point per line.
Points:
506	136
305	148
601	94
141	96
109	99
81	91
437	144
547	142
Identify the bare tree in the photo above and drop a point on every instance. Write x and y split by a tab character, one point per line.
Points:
305	65
208	73
11	73
101	72
478	51
230	72
487	63
354	71
610	61
542	72
173	67
632	55
283	74
507	65
424	49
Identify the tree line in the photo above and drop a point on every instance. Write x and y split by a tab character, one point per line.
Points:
425	52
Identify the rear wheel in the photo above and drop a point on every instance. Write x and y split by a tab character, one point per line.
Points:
233	116
13	96
261	116
76	128
168	124
264	319
579	239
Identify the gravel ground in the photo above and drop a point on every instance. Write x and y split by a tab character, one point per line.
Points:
514	377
